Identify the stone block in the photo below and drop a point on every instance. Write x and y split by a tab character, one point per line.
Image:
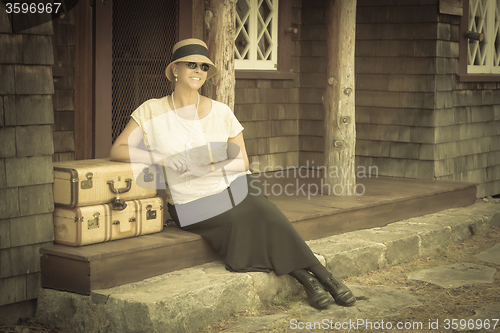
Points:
431	236
26	171
34	141
9	203
40	227
34	80
11	49
37	199
462	226
37	50
4	233
13	288
350	258
8	140
8	86
401	246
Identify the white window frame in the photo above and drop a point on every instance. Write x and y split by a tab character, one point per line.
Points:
484	52
253	17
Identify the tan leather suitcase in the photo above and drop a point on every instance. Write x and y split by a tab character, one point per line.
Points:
100	223
99	181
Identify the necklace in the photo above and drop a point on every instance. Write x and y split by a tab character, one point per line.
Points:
189	145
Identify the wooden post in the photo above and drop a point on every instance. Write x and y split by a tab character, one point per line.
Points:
338	101
219	34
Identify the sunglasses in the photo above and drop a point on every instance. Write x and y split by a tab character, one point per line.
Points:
193	65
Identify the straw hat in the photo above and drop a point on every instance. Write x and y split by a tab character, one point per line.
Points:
190	50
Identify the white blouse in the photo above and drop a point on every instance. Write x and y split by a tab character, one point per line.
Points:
168	133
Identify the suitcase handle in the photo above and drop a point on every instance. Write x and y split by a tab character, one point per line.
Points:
112	188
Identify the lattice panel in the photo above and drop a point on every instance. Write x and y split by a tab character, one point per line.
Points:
242	43
144	33
264	31
477	23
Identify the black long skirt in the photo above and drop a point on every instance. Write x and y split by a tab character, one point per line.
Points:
253	236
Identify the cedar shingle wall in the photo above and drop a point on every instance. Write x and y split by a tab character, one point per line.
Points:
26	176
467	120
414	119
269	112
395	83
312	82
64	96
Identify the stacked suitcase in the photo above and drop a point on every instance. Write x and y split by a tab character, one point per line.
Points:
101	200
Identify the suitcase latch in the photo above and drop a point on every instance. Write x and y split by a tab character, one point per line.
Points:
148	176
86	184
150	214
94	223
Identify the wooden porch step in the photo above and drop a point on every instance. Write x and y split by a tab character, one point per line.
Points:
386	199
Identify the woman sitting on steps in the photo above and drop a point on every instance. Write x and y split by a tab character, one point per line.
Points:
199	142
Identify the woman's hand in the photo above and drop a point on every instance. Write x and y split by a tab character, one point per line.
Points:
178	163
196	171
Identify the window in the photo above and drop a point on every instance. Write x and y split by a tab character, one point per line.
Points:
256	43
484	18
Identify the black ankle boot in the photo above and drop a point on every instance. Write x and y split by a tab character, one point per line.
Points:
318	297
339	291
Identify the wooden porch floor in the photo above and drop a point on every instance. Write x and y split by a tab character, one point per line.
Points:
385	200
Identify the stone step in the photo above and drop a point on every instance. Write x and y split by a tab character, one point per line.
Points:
191	298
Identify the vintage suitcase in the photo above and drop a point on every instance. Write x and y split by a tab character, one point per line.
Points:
100	223
99	181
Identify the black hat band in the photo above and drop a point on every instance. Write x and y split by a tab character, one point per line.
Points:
188	50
